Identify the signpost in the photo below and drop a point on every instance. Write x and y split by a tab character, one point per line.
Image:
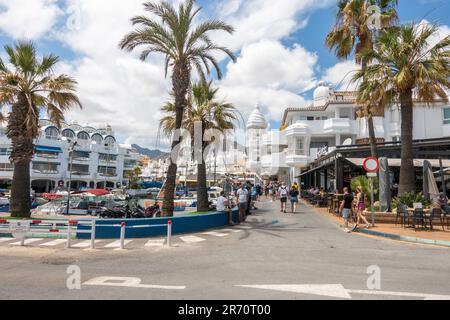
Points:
19	230
372	165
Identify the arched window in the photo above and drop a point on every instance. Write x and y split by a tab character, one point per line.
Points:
110	141
52	133
83	135
68	134
97	138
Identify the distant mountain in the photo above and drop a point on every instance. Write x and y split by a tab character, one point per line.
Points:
150	153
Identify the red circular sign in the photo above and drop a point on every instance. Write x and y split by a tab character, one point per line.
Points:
371	164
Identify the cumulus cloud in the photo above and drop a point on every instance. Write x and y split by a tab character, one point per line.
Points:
25	19
340	75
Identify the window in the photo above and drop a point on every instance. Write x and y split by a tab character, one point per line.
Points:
68	134
107	157
80	169
83	136
395	115
107	171
299	146
45	167
4	152
446	115
319	145
396	139
130	163
97	138
6	167
110	142
47	154
52	133
339	98
310	118
81	156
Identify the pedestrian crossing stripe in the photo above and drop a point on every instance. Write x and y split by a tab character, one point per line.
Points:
192	239
54	243
84	244
116	244
26	242
155	243
216	234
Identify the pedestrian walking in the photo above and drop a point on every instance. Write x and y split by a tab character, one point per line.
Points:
242	196
283	194
293	194
361	207
346	208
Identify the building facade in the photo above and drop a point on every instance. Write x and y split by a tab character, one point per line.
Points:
97	161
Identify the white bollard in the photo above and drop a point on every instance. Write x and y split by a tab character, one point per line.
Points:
93	234
69	232
122	235
169	233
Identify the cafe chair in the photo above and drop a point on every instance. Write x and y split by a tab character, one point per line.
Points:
436	214
418	218
402	215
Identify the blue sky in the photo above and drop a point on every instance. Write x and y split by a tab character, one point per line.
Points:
279	44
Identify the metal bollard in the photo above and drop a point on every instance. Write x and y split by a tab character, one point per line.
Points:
93	234
122	235
69	231
169	233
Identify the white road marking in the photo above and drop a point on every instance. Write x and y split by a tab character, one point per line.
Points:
84	244
54	243
116	244
6	239
127	282
338	291
244	227
192	239
156	243
231	230
216	234
27	242
329	290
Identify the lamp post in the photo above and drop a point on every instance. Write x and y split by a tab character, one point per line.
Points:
107	162
71	150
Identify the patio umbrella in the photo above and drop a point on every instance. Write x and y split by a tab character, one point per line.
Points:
385	185
430	188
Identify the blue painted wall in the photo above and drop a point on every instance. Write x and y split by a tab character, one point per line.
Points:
182	224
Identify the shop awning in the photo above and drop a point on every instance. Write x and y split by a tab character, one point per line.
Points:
48	149
397	162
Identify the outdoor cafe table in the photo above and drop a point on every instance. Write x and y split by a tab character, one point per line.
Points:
426	213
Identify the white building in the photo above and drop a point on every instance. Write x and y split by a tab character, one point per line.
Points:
313	131
97	158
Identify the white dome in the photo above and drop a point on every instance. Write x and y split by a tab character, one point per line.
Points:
257	120
321	94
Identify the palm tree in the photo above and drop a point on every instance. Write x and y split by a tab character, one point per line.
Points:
406	66
30	88
352	34
203	108
185	47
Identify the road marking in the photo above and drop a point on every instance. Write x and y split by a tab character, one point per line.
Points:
156	243
7	239
127	282
84	244
54	243
192	239
116	244
244	227
329	290
232	230
338	291
27	242
216	234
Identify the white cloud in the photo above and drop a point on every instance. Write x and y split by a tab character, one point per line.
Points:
340	75
25	19
270	74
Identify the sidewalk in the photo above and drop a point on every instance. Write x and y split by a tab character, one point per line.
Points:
437	236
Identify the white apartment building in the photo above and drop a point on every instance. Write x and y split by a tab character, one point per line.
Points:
313	131
98	159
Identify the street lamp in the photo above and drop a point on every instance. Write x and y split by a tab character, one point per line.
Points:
107	162
71	150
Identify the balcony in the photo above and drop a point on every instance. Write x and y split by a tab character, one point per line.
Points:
297	161
338	126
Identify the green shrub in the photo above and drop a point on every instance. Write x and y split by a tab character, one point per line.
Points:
364	183
409	199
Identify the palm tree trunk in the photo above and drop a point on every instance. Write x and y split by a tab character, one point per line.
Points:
202	188
407	171
180	82
20	204
372	138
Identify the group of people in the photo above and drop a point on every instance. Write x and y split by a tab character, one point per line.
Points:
277	191
353	206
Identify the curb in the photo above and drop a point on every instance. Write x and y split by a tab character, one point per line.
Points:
404	238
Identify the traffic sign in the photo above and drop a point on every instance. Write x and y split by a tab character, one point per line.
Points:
371	164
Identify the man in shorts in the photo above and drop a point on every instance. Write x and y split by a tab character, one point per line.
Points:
346	208
242	196
283	194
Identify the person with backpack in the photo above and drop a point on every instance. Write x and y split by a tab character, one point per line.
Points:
294	198
283	193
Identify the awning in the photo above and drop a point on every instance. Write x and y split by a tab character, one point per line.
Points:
48	149
397	162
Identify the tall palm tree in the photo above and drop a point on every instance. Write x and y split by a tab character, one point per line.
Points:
203	107
30	87
185	46
351	34
406	66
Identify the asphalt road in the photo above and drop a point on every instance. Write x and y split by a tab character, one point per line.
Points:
305	256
